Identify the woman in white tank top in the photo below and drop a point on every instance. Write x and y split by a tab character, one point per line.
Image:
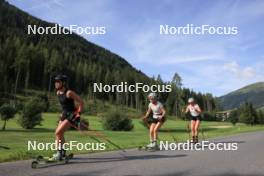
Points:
157	119
195	113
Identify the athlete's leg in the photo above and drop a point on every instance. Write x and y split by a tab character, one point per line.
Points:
193	122
196	127
151	131
156	130
62	127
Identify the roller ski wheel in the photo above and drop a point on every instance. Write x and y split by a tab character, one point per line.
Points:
70	155
45	161
34	164
39	158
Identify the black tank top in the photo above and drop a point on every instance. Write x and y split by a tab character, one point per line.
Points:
67	104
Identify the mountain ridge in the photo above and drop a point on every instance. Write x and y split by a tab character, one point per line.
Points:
253	93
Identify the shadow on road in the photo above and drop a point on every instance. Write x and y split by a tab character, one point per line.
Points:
221	174
168	130
123	158
115	159
226	142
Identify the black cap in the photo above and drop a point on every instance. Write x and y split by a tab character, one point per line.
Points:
60	77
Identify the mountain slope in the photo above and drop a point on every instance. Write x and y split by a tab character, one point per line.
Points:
30	60
253	93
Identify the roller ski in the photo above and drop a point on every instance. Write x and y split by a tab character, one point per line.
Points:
151	147
55	159
194	140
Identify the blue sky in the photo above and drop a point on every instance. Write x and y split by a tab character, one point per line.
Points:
207	63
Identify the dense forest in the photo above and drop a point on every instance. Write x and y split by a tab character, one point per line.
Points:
31	62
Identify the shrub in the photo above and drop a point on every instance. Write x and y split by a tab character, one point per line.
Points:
234	117
208	116
117	121
45	100
31	113
7	112
248	114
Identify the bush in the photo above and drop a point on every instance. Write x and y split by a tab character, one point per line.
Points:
260	117
248	114
117	121
7	112
209	116
234	117
31	113
45	100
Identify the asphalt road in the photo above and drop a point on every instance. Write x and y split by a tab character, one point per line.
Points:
248	160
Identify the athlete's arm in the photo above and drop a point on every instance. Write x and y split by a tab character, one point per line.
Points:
198	109
187	109
77	98
163	112
147	113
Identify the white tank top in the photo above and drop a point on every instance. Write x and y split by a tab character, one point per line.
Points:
156	109
193	109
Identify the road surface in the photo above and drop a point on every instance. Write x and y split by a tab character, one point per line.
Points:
248	160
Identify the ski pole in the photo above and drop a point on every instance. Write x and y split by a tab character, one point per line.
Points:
77	115
85	133
173	137
189	130
202	133
98	135
145	121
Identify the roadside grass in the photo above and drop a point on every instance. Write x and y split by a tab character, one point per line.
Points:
14	141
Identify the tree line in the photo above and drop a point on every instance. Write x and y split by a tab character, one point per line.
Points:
247	114
32	61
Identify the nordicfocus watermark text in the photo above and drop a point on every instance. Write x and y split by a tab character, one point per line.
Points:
58	29
71	145
191	29
125	87
199	146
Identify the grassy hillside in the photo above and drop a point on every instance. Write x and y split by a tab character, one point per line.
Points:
253	93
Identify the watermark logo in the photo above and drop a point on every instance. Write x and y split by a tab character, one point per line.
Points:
58	29
71	145
165	145
125	87
191	29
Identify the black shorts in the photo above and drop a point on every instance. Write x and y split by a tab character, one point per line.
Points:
195	118
152	120
72	117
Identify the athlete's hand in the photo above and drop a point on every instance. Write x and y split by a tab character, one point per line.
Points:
145	120
79	110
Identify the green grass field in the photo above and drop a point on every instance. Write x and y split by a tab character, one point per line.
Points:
14	141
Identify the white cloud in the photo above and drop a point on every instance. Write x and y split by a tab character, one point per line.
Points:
238	71
48	4
200	60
